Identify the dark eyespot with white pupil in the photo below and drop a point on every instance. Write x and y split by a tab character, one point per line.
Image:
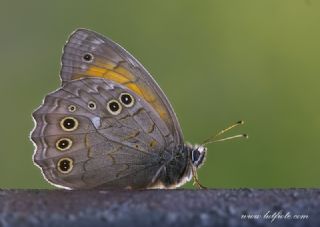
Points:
72	108
88	57
126	99
69	124
65	165
92	105
114	107
63	144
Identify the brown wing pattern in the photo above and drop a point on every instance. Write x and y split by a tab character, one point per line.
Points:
89	54
99	149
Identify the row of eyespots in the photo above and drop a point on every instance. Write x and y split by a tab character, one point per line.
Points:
91	105
69	124
64	165
114	107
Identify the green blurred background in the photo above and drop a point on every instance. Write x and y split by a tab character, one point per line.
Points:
217	61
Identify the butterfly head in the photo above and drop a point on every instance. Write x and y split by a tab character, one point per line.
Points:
198	155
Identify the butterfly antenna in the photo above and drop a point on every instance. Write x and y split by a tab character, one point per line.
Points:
213	138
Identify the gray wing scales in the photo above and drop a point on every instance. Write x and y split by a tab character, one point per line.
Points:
105	150
140	119
109	60
121	170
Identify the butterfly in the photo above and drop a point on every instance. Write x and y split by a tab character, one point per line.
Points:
110	125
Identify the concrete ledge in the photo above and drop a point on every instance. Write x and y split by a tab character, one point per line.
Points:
214	207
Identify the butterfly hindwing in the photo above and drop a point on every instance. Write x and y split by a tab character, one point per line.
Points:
83	141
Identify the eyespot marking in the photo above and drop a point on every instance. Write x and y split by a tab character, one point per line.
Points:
126	99
114	107
72	108
65	165
87	57
63	144
69	124
92	105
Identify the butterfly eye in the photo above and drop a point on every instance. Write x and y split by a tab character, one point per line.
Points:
72	108
87	57
69	124
65	165
114	107
126	99
63	144
92	105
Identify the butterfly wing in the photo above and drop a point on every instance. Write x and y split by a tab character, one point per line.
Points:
83	141
89	54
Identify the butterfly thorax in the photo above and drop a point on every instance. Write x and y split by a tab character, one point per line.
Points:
178	165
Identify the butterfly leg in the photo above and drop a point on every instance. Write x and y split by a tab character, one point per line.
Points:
196	180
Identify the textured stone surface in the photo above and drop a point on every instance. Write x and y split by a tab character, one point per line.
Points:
214	207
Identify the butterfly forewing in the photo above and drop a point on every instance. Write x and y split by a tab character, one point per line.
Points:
89	54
